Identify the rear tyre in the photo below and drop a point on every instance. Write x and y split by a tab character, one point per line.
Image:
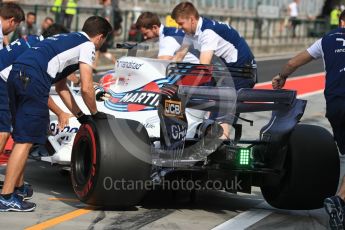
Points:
111	162
311	171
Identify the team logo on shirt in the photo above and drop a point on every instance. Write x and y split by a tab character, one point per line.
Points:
341	40
53	38
343	49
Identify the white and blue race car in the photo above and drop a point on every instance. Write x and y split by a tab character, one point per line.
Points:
158	130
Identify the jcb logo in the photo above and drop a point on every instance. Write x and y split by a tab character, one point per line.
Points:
173	109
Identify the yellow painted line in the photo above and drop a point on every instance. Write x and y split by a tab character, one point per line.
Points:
63	199
60	219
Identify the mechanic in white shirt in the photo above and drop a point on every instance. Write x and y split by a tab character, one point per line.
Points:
293	13
218	39
332	49
170	38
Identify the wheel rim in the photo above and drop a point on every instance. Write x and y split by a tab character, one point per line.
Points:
83	161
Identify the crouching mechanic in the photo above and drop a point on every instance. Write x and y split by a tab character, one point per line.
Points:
331	49
213	38
170	38
29	82
7	56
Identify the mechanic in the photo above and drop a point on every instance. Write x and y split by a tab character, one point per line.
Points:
170	38
331	49
49	61
7	56
215	38
11	14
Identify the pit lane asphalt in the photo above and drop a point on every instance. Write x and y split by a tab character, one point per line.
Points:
58	208
268	68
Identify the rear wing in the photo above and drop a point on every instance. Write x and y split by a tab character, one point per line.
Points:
216	72
202	91
255	100
245	100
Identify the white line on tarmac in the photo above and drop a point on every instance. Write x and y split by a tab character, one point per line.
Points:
244	220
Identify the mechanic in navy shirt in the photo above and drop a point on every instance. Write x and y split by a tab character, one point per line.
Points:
332	49
213	38
7	56
29	82
170	38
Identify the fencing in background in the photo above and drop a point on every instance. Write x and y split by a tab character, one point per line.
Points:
234	7
254	29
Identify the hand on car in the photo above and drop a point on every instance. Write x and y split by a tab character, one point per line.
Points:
102	96
83	119
278	82
63	119
88	118
99	116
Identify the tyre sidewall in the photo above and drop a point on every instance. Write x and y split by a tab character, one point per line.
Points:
87	132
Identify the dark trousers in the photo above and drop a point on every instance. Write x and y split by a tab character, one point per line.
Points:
335	112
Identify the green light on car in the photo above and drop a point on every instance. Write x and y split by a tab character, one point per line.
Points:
244	157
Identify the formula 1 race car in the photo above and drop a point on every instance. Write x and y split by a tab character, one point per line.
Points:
157	131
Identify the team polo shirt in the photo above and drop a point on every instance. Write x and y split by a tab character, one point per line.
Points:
170	40
9	53
225	41
56	57
332	49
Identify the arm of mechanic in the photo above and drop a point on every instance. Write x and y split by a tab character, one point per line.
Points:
181	53
73	78
206	57
166	57
87	89
63	118
67	97
294	63
167	48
